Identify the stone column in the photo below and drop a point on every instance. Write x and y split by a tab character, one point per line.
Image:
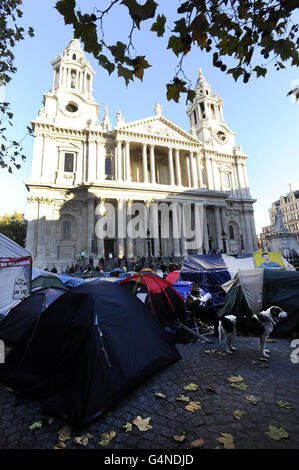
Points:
183	224
178	168
152	162
121	227
144	163
170	167
199	170
128	167
119	161
154	223
194	171
218	228
90	223
130	245
31	237
205	231
175	230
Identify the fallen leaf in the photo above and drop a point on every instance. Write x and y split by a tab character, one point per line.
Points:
182	398
193	406
36	425
179	437
191	387
197	443
227	440
269	340
210	388
127	427
142	424
252	399
60	445
83	440
160	395
65	433
240	386
277	433
284	404
106	438
263	359
238	414
235	378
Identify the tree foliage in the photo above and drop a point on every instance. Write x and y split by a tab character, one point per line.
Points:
246	34
14	227
11	33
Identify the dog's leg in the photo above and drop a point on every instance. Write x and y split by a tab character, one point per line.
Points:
264	351
227	344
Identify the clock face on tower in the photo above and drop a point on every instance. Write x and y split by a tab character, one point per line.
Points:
220	135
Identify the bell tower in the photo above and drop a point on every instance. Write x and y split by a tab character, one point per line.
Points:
70	103
206	116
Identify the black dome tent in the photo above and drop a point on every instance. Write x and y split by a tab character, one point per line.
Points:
90	348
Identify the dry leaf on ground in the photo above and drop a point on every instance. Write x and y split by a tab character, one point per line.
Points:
240	386
238	414
284	404
83	440
179	437
127	427
160	395
106	438
197	443
191	387
235	378
60	445
193	406
277	433
64	434
252	399
142	424
227	440
182	398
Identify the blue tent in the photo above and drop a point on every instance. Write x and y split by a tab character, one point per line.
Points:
183	288
209	271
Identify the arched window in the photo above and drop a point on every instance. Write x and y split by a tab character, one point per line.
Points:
74	57
108	168
67	230
231	232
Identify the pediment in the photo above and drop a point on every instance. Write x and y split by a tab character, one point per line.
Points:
158	126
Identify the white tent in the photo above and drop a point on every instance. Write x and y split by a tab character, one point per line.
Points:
15	274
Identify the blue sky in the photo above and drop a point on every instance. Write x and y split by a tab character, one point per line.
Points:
265	119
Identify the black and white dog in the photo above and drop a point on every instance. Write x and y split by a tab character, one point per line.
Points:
259	326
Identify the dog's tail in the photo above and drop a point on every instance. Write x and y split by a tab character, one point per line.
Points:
221	332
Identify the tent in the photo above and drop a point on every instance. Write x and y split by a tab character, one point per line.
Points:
173	277
163	300
256	290
91	347
22	316
184	287
15	274
47	280
209	272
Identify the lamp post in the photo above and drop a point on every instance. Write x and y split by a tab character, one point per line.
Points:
224	238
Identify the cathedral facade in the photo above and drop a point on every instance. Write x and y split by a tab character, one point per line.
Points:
109	191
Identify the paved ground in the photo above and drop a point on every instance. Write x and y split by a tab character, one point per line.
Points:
269	382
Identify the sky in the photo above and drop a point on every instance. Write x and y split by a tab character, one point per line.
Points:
265	120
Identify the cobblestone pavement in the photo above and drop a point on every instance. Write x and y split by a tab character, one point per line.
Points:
269	382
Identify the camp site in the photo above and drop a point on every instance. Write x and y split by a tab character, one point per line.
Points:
118	359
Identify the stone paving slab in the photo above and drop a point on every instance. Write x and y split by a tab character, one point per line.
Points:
269	382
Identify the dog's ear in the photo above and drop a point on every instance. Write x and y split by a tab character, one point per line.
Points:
275	311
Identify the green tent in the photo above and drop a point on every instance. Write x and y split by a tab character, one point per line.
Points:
252	291
47	280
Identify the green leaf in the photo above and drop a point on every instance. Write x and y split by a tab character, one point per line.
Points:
139	12
260	71
175	44
159	25
105	63
126	73
141	65
67	10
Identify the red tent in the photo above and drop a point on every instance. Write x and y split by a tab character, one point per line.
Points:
165	303
173	277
